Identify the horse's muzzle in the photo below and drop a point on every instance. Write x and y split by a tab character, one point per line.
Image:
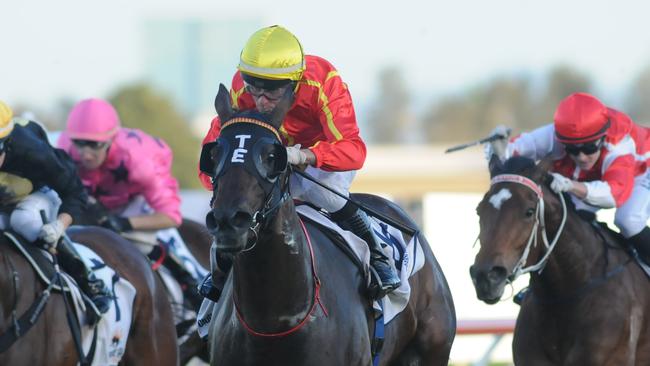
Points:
230	229
489	282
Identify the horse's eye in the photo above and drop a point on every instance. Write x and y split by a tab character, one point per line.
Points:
530	212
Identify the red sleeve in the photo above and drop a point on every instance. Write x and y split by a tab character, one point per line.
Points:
620	177
343	149
213	134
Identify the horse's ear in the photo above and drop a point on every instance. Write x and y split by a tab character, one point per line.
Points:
495	166
222	104
281	109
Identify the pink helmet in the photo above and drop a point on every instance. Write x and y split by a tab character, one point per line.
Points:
94	120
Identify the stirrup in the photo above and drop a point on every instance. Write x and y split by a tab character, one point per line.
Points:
208	290
99	294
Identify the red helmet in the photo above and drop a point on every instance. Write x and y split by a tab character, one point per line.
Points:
580	118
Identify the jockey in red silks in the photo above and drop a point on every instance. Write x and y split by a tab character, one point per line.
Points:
129	172
600	157
320	130
39	183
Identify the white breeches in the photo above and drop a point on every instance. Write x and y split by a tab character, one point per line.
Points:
138	206
25	219
308	191
633	215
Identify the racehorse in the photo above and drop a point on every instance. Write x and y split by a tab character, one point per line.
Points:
151	340
292	297
197	239
587	299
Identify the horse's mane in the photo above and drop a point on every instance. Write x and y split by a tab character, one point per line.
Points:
518	164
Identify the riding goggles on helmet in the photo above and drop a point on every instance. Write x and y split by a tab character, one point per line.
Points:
586	148
93	145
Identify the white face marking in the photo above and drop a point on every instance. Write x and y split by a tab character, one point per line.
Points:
238	154
498	199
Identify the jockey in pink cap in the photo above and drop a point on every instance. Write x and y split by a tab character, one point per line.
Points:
129	172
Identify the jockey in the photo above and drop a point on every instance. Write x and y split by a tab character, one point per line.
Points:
129	173
600	157
36	178
320	131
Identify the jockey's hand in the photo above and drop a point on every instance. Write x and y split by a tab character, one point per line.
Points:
116	223
561	183
52	232
295	156
498	146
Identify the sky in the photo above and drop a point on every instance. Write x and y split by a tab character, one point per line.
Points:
80	48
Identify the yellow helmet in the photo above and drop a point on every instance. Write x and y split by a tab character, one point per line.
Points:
273	53
6	120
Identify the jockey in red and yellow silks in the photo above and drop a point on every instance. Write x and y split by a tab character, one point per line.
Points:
320	130
601	157
321	119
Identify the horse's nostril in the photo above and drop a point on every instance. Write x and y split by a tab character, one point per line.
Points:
497	274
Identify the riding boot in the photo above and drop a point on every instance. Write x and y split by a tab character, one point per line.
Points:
359	223
185	279
92	286
641	242
212	285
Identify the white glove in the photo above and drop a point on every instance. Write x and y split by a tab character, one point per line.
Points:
52	232
295	156
502	131
498	146
561	183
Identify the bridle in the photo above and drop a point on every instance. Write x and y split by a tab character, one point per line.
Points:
540	224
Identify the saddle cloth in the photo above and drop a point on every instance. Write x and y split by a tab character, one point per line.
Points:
408	259
113	327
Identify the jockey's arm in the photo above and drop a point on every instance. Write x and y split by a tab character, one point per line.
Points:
65	219
579	190
311	157
154	221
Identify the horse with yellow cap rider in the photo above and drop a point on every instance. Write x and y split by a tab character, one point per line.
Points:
320	131
36	178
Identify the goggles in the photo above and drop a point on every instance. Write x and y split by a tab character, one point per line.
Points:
586	148
93	145
270	94
3	145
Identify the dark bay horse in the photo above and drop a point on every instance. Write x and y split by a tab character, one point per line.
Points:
588	301
151	340
292	297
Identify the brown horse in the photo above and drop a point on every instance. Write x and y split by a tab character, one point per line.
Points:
587	301
197	238
293	297
151	340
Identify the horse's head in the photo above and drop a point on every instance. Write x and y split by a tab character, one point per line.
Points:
248	166
509	217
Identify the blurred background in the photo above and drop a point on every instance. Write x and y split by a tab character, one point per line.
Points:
423	76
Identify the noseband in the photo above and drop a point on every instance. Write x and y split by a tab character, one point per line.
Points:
519	268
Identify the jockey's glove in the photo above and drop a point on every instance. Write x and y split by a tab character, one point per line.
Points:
295	156
116	223
561	183
52	232
498	147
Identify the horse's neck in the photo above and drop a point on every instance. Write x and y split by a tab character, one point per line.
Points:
576	259
275	277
